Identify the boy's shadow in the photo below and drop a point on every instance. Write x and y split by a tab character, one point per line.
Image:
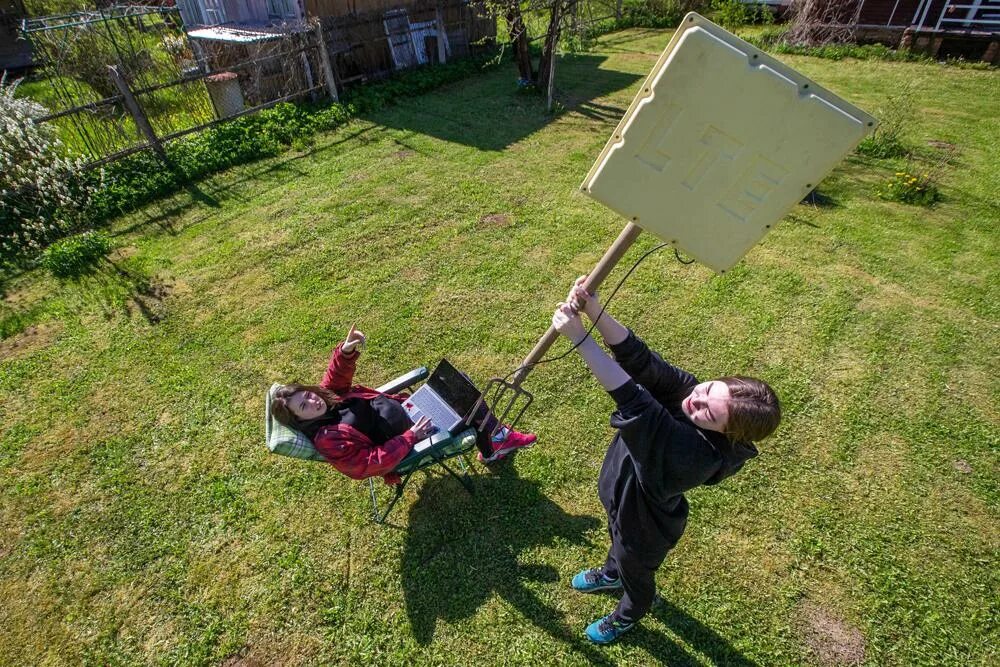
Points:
695	634
461	549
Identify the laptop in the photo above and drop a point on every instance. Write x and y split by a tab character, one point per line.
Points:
446	398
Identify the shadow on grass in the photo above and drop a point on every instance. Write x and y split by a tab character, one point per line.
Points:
696	634
486	112
460	550
209	197
617	42
489	112
109	287
113	288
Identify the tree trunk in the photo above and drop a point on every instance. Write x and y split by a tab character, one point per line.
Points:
519	36
552	39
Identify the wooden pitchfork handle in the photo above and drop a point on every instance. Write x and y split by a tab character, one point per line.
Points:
594	280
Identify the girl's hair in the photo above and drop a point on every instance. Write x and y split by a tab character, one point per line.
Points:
284	414
754	411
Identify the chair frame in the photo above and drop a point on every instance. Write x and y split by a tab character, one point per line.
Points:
432	457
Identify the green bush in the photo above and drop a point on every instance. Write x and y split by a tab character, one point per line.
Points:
882	145
732	14
895	116
41	193
773	39
75	256
652	14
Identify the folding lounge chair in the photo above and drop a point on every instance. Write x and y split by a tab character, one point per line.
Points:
433	451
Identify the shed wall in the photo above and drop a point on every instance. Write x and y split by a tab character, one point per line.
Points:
344	7
889	12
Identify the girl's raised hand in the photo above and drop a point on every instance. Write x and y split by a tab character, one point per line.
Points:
355	340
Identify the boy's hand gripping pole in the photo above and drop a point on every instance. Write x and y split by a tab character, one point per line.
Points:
504	398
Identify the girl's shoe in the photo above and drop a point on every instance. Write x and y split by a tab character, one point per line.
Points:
594	580
510	441
608	629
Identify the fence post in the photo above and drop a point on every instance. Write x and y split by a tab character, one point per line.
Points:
307	70
324	61
141	121
442	40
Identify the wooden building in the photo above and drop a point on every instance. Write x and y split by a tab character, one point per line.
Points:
941	28
365	39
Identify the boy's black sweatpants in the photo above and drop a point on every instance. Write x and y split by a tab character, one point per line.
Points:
637	574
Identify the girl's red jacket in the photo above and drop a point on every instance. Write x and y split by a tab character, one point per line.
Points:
348	449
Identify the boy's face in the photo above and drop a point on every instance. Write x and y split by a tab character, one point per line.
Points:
707	406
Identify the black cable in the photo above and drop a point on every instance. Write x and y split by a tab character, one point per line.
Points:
677	254
601	314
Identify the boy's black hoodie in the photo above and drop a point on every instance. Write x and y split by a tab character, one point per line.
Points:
657	455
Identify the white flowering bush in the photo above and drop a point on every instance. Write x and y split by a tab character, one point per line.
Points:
41	194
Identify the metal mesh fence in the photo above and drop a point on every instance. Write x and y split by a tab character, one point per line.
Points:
170	77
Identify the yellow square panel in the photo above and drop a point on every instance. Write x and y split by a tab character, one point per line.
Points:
720	143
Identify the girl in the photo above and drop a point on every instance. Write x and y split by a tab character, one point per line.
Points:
361	432
674	434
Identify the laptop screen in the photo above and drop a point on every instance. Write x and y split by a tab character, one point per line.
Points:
454	387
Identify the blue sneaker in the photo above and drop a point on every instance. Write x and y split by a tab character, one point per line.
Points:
593	580
608	629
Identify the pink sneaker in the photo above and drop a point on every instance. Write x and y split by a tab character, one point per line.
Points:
510	441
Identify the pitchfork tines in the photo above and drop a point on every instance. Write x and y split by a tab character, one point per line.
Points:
504	400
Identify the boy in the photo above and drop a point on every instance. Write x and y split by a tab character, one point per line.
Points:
674	434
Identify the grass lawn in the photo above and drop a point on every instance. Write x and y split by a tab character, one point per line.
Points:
144	522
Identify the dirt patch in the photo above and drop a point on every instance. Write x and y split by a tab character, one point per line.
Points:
257	656
831	640
149	300
962	466
942	145
403	154
496	220
33	337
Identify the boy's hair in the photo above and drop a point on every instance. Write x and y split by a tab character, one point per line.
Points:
754	410
284	414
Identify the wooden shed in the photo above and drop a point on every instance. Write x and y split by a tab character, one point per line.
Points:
966	28
363	39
